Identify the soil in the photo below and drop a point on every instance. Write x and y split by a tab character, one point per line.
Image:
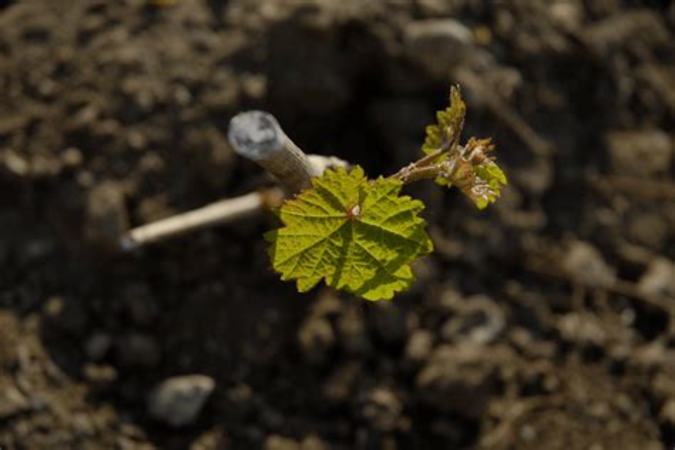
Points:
544	323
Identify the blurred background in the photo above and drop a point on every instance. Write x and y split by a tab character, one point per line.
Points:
545	322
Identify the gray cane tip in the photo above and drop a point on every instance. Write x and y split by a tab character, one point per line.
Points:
255	134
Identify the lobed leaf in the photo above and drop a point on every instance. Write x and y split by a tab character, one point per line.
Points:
357	235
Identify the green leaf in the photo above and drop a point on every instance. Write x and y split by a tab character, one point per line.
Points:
449	123
357	235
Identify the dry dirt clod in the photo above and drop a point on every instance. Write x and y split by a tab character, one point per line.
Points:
382	408
477	320
585	265
658	279
12	401
106	215
316	337
640	153
276	442
419	346
178	401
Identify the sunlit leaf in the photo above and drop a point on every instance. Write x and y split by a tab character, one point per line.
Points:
355	234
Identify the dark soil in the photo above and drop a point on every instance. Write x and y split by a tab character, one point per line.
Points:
544	323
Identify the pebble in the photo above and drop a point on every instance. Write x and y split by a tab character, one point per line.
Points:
438	45
106	215
177	401
639	153
382	409
658	279
316	338
12	401
585	264
276	442
419	345
478	320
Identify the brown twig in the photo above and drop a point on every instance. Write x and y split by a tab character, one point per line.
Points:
257	136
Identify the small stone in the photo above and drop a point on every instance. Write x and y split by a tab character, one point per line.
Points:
106	215
658	279
640	153
313	442
382	409
72	158
419	345
585	264
316	338
583	329
99	374
667	413
648	228
276	442
617	30
438	45
478	320
178	401
12	401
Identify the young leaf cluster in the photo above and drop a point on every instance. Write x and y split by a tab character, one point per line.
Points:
361	235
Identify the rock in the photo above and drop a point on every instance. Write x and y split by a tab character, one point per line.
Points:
585	265
667	413
566	13
618	30
276	442
382	409
12	401
438	45
583	329
639	153
313	442
439	7
419	346
316	338
648	228
106	215
99	375
658	279
178	401
478	320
